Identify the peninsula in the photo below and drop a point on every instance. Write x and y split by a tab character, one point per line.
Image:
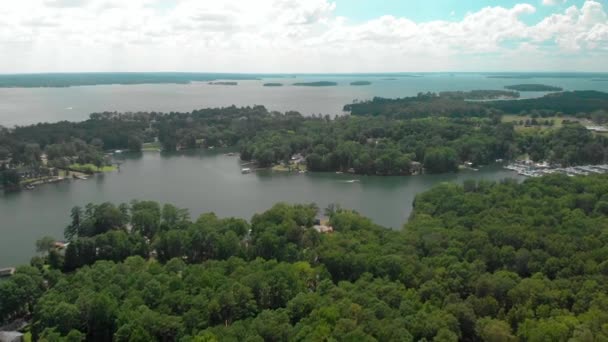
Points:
360	83
533	87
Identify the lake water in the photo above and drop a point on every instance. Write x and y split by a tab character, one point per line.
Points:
211	182
19	106
204	181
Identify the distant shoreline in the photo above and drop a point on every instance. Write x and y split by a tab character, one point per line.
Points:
64	80
316	84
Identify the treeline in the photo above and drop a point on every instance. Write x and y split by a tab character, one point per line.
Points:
383	137
381	146
483	261
421	106
109	78
585	103
568	103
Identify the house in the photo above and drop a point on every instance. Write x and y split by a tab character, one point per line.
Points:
298	159
11	336
6	163
597	128
323	229
61	244
415	168
7	272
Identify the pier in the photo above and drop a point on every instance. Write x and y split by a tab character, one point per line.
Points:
529	169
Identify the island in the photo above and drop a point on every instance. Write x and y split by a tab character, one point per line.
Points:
533	87
360	83
224	83
316	84
272	84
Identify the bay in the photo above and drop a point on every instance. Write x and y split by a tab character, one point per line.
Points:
208	181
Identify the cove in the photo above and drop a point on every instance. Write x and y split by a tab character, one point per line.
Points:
209	181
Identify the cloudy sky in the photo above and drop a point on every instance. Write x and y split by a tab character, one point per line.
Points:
303	35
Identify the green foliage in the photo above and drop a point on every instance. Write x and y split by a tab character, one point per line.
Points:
486	261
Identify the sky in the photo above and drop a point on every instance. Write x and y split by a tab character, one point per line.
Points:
303	36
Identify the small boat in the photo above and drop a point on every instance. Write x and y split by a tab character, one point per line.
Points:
339	172
245	170
29	187
352	181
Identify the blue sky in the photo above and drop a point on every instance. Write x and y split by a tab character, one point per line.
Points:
426	10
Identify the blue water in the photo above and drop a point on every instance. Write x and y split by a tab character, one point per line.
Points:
19	106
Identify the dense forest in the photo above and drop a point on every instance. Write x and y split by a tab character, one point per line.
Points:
410	141
482	261
533	87
430	104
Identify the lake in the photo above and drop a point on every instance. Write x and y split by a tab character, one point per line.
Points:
20	106
211	182
208	181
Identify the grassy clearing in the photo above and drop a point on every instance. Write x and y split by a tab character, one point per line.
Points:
90	168
603	134
290	168
557	122
151	147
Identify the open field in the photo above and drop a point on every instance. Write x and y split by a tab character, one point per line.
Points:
557	122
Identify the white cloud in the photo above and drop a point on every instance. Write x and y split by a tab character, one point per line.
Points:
553	2
288	36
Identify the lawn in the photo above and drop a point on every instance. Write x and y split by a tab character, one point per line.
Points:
151	147
90	168
291	168
557	122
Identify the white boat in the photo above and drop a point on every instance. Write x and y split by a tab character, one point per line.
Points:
245	170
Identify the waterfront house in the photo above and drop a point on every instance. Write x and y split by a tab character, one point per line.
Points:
6	163
323	229
7	272
415	168
298	159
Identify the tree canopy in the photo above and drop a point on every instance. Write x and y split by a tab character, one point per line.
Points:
488	261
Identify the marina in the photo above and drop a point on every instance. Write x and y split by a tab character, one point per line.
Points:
531	169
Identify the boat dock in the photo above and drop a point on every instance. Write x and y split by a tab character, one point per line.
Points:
529	169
